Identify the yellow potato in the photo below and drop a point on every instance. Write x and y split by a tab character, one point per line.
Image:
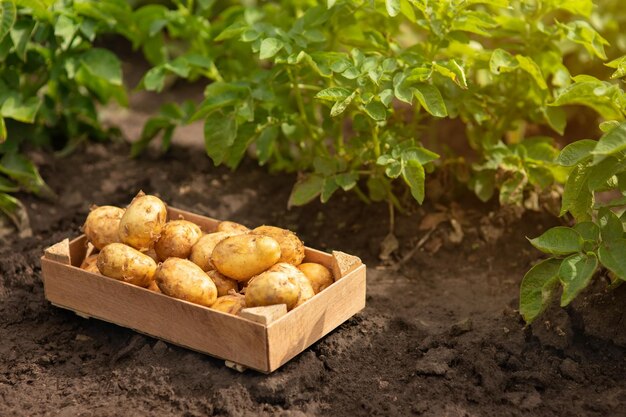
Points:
154	287
291	248
176	240
89	264
232	227
202	250
319	276
223	284
124	263
306	289
180	278
271	288
102	225
241	257
142	222
231	303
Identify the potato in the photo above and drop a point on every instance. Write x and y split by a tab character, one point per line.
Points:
151	253
202	250
319	276
270	288
124	263
142	222
89	264
223	284
180	278
176	240
241	257
306	289
232	227
291	248
102	225
154	287
230	303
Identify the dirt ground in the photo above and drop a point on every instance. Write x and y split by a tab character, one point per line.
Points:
440	335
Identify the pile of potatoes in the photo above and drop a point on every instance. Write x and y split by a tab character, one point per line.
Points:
227	270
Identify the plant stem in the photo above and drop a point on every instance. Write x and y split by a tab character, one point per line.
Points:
300	104
376	141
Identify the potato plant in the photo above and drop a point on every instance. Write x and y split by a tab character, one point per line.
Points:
595	196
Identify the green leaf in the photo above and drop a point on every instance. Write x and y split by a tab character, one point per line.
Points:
512	189
611	227
418	154
576	152
556	118
219	95
401	89
414	175
611	255
538	288
25	173
329	188
154	79
394	169
386	96
341	105
620	67
527	64
376	111
588	230
575	275
270	47
220	131
8	16
483	184
265	143
22	111
610	143
333	94
502	61
14	210
430	98
577	198
559	240
602	172
305	190
581	32
602	97
104	64
393	7
581	7
347	180
378	188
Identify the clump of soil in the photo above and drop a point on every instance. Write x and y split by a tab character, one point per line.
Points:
439	336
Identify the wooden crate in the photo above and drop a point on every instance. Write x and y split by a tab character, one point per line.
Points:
262	338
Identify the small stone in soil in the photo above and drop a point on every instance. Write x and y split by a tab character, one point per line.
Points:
461	327
160	348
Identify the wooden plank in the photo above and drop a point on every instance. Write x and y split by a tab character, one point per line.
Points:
344	264
264	315
59	252
304	325
78	250
189	325
207	224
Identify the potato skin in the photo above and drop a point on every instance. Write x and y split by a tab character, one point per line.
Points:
176	239
180	278
141	224
230	303
124	263
319	276
154	287
271	288
224	284
241	257
232	227
306	289
90	264
291	248
202	250
102	225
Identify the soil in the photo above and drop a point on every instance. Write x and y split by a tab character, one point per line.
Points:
440	335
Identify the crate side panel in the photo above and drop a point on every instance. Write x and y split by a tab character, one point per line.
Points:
182	323
303	326
207	224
